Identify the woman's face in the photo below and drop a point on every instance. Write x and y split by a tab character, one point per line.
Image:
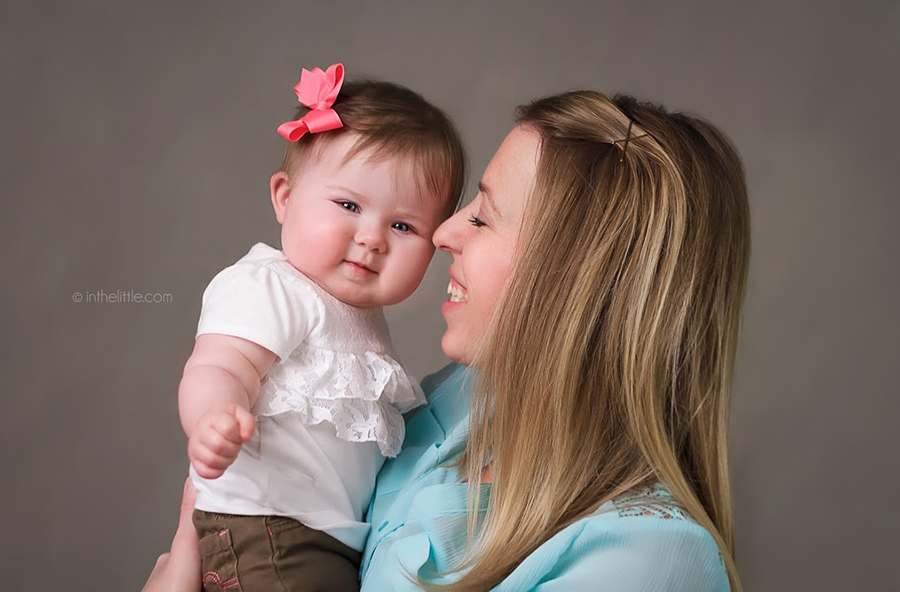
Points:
482	237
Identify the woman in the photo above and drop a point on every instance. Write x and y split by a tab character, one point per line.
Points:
598	278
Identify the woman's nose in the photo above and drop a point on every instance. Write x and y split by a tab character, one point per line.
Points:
447	235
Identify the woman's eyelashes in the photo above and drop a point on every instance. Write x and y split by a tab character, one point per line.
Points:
476	221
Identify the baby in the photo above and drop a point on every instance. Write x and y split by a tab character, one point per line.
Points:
293	395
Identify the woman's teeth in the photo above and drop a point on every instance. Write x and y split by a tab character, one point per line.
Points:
457	294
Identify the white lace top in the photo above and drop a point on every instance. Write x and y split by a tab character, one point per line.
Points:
336	391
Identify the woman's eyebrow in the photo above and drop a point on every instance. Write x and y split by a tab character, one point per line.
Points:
488	198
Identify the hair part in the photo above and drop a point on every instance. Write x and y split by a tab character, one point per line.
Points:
392	121
642	328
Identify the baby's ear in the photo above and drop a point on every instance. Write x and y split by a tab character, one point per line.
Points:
280	190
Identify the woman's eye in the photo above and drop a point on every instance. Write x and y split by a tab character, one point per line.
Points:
402	226
349	205
476	221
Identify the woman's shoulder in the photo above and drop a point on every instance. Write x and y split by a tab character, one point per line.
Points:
639	541
652	520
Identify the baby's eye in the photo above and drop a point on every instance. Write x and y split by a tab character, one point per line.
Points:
349	205
402	226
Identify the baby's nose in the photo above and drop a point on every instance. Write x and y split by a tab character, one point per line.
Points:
372	237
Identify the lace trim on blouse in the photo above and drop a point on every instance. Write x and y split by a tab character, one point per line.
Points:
652	500
363	396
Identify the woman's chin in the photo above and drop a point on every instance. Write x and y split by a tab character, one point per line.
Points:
453	350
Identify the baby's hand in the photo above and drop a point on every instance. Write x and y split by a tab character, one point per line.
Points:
217	439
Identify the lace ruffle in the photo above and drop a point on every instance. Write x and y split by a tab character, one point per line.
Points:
363	396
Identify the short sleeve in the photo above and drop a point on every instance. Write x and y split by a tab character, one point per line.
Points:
640	555
260	304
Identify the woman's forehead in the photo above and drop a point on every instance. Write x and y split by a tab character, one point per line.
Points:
509	178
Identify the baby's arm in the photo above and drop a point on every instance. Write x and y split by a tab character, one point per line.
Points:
220	384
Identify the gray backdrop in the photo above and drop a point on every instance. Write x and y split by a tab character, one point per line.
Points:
137	141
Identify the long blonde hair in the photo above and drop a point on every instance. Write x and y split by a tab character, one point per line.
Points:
608	364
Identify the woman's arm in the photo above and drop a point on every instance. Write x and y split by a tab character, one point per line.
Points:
179	569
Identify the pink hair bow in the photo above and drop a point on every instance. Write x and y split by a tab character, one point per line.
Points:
317	90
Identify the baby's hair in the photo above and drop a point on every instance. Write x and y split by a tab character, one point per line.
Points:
392	120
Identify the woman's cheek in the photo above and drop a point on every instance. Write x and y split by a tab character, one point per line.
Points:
495	282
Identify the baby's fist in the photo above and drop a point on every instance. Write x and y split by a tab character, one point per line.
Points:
217	439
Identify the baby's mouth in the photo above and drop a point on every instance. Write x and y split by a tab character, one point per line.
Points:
360	268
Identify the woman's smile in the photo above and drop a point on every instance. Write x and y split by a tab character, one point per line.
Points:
458	296
456	290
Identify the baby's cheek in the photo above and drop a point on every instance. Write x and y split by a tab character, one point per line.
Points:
420	258
309	250
410	269
420	262
324	236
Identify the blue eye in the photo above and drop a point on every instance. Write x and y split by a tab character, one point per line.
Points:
402	226
349	205
476	221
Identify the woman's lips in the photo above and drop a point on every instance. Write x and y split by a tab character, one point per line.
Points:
458	296
455	280
449	306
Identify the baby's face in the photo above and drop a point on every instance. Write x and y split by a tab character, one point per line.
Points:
361	229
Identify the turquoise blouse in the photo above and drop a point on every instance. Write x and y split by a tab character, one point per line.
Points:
640	542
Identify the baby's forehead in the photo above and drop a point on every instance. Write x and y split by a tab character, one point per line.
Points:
404	173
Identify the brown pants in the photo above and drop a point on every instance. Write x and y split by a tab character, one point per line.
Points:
271	554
